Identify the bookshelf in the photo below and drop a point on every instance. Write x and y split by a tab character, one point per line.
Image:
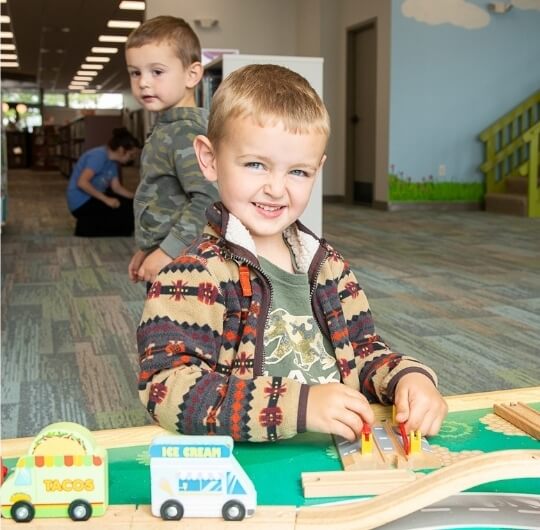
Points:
82	134
17	149
309	67
45	147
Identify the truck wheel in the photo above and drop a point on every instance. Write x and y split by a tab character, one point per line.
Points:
79	510
171	511
22	512
233	511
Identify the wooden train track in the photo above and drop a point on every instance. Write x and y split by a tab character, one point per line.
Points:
425	491
521	416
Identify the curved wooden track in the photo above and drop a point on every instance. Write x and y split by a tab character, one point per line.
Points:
427	490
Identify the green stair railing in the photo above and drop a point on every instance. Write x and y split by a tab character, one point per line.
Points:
512	148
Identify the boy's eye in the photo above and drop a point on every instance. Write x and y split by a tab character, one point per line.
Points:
157	72
134	73
255	165
299	173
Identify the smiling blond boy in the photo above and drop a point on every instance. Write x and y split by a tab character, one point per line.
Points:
261	330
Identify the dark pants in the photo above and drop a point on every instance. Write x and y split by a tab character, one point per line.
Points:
96	219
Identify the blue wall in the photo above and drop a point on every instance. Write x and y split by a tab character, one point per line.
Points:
448	83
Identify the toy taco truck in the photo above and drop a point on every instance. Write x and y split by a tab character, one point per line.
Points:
198	476
64	474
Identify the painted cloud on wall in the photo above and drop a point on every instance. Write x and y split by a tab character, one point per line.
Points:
527	4
457	12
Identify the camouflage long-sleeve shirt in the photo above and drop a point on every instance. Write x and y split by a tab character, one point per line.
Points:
173	195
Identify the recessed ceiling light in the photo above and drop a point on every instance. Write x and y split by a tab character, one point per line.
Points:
135	6
82	78
98	59
128	24
99	49
79	83
86	66
8	56
7	35
6	46
65	30
72	87
60	50
86	72
9	64
4	19
88	91
112	38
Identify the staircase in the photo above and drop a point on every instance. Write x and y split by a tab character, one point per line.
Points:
512	158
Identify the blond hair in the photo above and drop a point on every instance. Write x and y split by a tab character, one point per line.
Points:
172	30
267	93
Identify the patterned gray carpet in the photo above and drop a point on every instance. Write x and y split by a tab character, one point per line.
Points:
460	291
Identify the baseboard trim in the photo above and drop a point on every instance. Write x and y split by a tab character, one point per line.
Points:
333	199
436	205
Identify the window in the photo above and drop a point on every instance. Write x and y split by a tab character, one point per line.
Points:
54	99
95	101
21	95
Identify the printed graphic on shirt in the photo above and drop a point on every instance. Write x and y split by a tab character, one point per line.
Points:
294	348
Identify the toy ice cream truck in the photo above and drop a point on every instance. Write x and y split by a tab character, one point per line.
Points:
64	474
198	476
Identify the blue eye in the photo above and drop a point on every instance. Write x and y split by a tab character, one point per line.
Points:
299	173
255	165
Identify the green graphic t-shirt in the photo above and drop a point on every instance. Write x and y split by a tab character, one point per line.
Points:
294	346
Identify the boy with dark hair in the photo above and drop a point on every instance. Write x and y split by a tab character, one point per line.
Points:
260	330
163	60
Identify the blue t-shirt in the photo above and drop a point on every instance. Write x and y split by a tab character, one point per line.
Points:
105	171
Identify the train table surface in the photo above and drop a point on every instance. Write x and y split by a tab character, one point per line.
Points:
470	428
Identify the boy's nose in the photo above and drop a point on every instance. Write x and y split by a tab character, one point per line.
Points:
143	81
275	186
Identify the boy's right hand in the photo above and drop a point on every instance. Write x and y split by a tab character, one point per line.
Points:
134	265
337	409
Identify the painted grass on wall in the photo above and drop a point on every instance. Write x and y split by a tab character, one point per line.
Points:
400	190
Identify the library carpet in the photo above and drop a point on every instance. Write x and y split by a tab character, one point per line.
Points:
458	290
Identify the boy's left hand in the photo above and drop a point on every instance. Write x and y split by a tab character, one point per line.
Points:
419	404
152	264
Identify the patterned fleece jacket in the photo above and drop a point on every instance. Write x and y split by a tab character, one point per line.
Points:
201	345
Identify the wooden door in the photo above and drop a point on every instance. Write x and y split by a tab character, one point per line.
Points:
361	112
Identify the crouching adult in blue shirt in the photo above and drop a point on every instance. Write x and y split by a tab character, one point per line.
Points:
95	196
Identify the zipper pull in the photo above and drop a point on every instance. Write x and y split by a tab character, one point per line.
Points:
245	281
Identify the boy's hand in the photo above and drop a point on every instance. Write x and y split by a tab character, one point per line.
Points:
134	263
337	409
419	404
152	264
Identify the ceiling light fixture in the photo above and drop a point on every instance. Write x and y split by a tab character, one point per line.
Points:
86	66
87	72
125	24
21	108
99	49
80	83
82	78
132	5
112	38
4	19
9	64
88	91
8	56
6	35
6	46
97	59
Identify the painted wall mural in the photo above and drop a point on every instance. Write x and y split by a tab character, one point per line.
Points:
456	67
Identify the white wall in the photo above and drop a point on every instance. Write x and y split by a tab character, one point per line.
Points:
252	26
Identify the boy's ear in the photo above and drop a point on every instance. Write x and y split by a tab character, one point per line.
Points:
206	157
194	74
